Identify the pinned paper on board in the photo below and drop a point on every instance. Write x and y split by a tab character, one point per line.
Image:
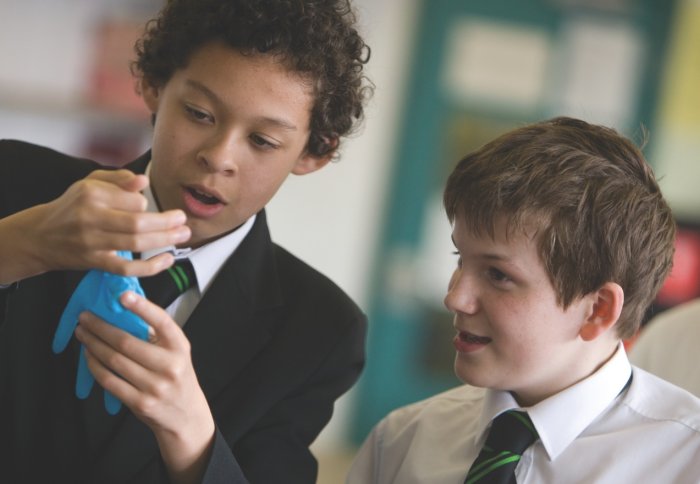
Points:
496	63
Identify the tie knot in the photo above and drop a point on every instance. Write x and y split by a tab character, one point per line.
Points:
164	287
511	431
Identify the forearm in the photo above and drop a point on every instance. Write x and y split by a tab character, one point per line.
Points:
20	246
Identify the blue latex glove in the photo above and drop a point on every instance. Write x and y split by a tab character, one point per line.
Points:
99	293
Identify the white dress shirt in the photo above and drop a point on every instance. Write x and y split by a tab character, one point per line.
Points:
669	346
604	429
206	260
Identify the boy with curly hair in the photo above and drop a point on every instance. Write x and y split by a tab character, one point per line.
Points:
242	370
563	239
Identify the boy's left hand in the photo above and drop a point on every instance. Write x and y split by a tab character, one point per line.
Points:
156	380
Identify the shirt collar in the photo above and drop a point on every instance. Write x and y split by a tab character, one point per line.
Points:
206	260
560	418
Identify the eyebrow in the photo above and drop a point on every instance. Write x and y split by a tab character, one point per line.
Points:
490	255
279	122
497	257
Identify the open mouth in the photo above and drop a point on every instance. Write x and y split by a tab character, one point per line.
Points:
473	339
203	197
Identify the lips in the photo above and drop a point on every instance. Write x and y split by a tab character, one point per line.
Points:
466	342
472	338
202	202
203	197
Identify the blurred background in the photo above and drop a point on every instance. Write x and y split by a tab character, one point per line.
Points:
449	75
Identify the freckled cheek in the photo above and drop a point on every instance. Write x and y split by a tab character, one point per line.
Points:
510	324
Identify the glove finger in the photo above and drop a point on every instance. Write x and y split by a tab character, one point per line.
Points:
112	403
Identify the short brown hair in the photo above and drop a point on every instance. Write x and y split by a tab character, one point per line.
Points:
315	38
592	199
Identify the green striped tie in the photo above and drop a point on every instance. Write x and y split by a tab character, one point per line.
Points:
163	288
511	433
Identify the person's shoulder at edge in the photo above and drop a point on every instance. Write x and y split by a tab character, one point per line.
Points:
13	152
456	400
667	346
20	146
673	322
24	166
656	399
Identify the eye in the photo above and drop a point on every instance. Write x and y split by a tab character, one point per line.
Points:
497	276
198	115
262	143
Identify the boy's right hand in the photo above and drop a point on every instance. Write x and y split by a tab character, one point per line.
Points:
84	227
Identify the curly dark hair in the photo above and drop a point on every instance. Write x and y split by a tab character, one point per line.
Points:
316	38
596	207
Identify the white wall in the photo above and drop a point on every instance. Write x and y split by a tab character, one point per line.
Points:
332	218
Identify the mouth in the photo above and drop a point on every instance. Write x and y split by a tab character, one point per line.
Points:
473	339
466	342
202	196
201	202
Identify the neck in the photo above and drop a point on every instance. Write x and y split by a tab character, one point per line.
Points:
590	362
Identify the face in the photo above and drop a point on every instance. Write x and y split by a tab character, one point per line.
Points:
511	333
229	129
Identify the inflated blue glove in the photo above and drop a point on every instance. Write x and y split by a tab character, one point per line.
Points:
99	292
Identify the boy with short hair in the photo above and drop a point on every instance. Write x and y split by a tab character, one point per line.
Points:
563	239
242	370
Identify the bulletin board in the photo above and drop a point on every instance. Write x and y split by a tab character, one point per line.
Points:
480	69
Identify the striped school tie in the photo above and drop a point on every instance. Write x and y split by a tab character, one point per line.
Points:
511	433
163	288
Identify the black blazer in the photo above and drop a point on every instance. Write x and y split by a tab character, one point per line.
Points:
274	343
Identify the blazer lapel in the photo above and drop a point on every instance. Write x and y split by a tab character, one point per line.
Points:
229	326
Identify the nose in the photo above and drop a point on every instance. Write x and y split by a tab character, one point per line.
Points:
462	295
220	155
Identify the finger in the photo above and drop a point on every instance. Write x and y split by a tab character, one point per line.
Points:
105	193
91	192
95	330
110	262
118	363
111	382
112	403
125	179
154	357
136	231
67	322
102	239
119	220
168	333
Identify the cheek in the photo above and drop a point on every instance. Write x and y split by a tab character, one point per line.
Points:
516	324
161	173
265	178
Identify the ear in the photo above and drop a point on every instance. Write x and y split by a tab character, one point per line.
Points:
150	93
605	311
309	163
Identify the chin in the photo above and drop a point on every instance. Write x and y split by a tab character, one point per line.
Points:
467	375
